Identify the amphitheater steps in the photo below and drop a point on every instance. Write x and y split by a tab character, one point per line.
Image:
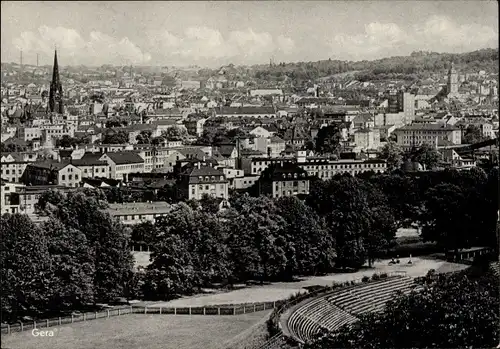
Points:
334	310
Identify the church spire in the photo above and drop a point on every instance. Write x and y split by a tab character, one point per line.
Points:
56	92
55	69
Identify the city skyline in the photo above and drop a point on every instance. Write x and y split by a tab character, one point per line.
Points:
243	33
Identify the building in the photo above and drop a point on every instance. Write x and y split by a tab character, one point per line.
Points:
432	134
452	84
122	164
9	199
286	179
91	166
138	212
52	173
14	164
367	138
401	102
56	92
247	112
196	180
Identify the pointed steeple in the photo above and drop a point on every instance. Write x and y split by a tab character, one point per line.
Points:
56	92
55	69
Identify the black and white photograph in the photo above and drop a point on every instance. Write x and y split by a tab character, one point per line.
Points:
250	174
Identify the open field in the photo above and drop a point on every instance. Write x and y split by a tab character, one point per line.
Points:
137	331
281	290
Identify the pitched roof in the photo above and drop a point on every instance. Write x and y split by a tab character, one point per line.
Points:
121	158
245	110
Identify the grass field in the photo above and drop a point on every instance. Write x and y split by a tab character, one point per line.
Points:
138	331
281	290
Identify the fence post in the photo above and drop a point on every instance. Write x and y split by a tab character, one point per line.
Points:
108	313
22	326
234	310
204	311
218	311
84	317
254	307
119	312
8	328
72	319
264	305
131	310
145	310
47	322
96	315
59	321
244	309
34	324
160	310
189	310
274	304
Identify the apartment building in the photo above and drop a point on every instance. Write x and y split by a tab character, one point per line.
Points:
288	179
52	173
197	180
122	164
432	134
14	164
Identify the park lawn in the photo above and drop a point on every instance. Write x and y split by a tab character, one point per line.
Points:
136	331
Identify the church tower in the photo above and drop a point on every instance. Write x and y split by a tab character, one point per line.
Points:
452	87
56	92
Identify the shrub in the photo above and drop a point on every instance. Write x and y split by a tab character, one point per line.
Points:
353	282
365	278
375	277
383	276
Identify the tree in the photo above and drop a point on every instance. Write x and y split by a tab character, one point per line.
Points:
310	248
255	237
425	155
84	210
472	135
328	140
209	204
120	137
26	268
171	272
393	155
72	269
144	137
175	133
143	234
447	220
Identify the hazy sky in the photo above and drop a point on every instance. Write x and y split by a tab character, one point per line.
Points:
214	33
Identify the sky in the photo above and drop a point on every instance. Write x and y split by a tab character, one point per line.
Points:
214	33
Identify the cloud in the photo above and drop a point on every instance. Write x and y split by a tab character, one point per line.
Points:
202	44
437	33
97	49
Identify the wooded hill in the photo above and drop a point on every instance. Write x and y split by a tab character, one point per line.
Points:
419	65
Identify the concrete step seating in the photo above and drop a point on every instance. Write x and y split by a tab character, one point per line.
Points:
310	319
495	268
332	311
363	299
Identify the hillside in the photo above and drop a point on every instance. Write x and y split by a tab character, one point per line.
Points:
419	65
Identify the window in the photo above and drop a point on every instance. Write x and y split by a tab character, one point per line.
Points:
206	187
70	177
63	177
76	176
